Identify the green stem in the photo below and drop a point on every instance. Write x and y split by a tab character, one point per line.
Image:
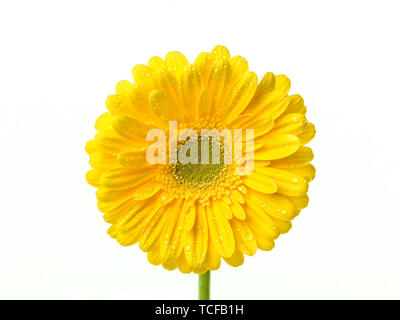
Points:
204	286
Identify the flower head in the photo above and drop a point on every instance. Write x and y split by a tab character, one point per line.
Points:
189	215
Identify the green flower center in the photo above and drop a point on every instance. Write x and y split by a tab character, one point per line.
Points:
200	173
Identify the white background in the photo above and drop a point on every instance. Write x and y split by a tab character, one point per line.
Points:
60	59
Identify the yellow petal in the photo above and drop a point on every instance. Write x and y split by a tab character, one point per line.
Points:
300	158
270	105
239	66
307	172
190	217
235	260
90	147
172	245
133	159
218	83
296	105
220	232
116	209
192	84
275	205
223	208
274	105
204	62
129	238
165	81
307	133
200	269
152	232
242	120
183	265
277	146
288	183
139	98
93	177
124	178
111	231
261	163
131	129
261	126
282	83
124	88
111	199
102	161
221	52
238	210
283	225
300	202
265	86
259	221
264	243
237	196
146	190
109	141
290	123
239	96
164	107
137	216
142	74
246	242
108	196
156	63
104	121
153	256
170	266
261	183
213	258
175	62
196	239
204	103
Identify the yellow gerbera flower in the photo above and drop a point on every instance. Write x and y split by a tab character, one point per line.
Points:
186	215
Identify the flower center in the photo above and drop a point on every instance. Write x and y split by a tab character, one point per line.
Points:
200	173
